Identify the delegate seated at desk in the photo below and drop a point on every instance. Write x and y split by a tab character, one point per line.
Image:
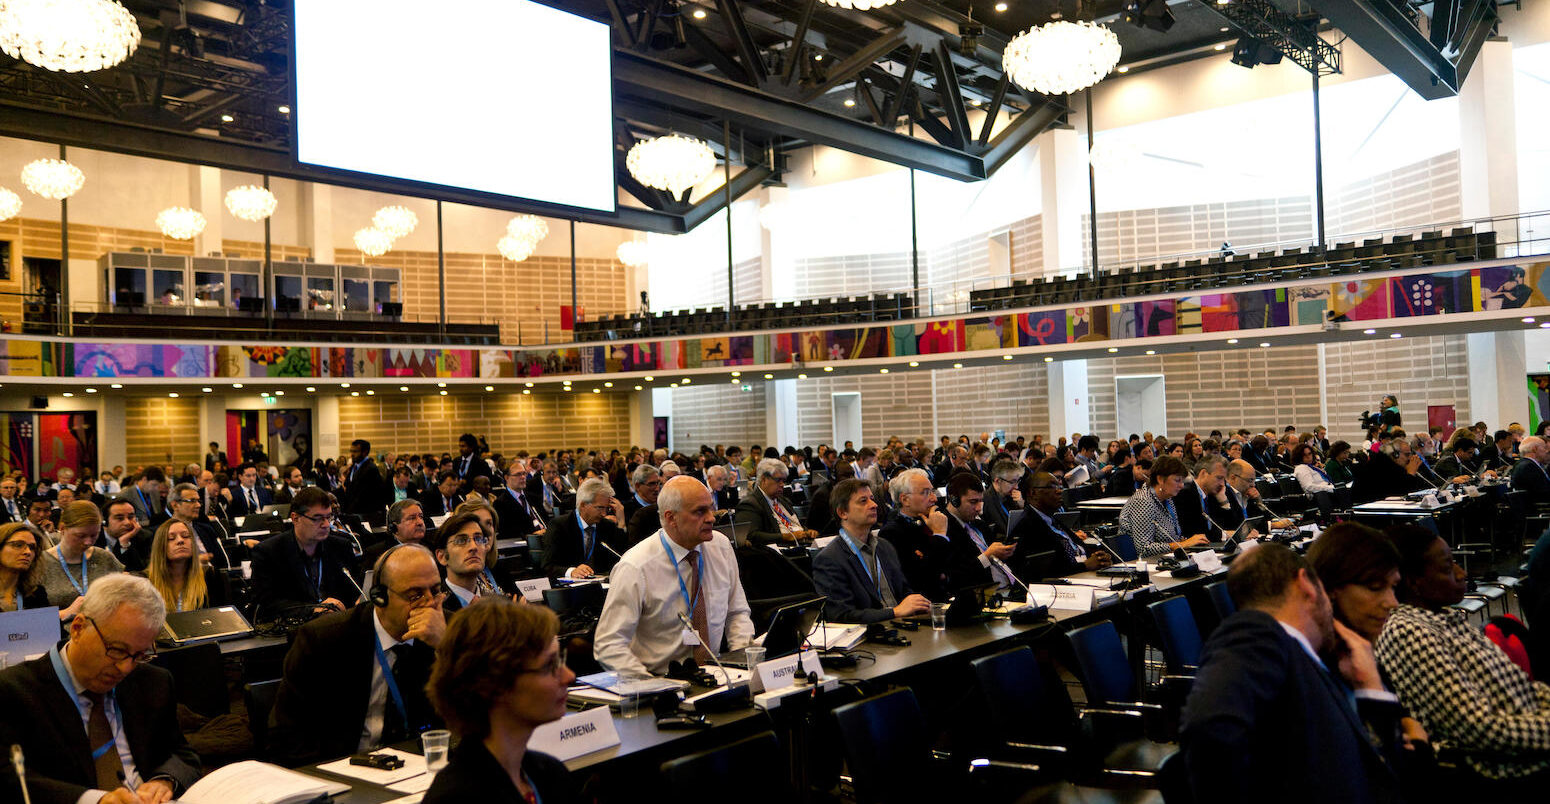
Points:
1529	474
95	693
573	549
1202	505
764	513
1038	533
355	680
1393	472
303	572
859	572
686	568
1150	519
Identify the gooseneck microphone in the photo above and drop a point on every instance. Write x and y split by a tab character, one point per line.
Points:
351	579
20	764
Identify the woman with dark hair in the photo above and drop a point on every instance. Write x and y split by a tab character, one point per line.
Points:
1460	685
500	674
21	572
1306	469
1338	463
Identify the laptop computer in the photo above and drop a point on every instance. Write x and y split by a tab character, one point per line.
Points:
28	633
789	628
204	625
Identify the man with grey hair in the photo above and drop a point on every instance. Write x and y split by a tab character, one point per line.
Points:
1529	474
1002	496
1202	507
405	525
684	570
764	514
719	480
584	543
646	482
918	532
96	723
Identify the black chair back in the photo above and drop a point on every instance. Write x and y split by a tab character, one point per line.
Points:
1022	704
199	674
1100	655
1221	600
886	748
750	766
575	596
259	697
1177	634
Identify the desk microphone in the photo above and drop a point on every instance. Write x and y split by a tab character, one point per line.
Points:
731	696
357	586
1030	611
20	764
1122	561
221	541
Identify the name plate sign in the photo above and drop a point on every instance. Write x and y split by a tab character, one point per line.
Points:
782	672
1075	597
576	734
533	590
1207	560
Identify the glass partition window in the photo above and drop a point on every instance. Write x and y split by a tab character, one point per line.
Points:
167	286
357	296
320	293
129	286
243	286
288	293
209	289
382	293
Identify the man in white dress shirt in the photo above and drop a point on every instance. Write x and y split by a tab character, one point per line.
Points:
685	568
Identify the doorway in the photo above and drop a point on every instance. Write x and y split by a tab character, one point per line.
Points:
847	417
1140	404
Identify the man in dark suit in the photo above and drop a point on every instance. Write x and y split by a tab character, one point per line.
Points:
365	491
303	572
405	525
917	531
355	680
723	491
643	523
1277	710
249	496
92	694
1044	547
443	499
1499	456
1129	475
977	557
1394	471
577	545
1529	474
145	495
1001	495
646	482
1259	454
957	460
469	464
859	572
545	490
768	518
1202	506
11	509
519	515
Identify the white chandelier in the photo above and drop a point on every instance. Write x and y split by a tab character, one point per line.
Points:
1058	58
251	202
68	36
54	179
373	242
673	163
528	227
397	221
860	5
10	204
516	248
632	253
180	223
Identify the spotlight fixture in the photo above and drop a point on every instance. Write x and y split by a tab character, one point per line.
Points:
1049	359
116	385
828	368
1153	14
969	34
1113	349
1232	340
1250	52
226	118
1001	8
914	364
1369	332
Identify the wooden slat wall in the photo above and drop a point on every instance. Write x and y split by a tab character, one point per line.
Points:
1420	371
31	237
970	400
720	413
1414	195
1132	235
160	430
254	249
1028	246
395	422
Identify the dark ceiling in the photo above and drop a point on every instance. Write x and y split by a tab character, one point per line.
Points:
210	81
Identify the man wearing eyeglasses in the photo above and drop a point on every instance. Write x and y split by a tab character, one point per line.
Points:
304	572
1045	547
354	681
583	544
462	548
96	725
519	514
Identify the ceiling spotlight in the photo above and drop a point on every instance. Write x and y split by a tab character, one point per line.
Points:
649	378
597	390
403	388
442	393
699	14
850	102
226	118
670	385
489	388
565	382
969	34
1545	325
737	374
608	385
173	395
801	376
684	381
67	395
1124	69
914	364
311	389
1001	7
882	371
91	390
769	376
1250	52
1006	357
355	393
1528	319
1049	359
1151	351
1153	14
1264	344
1232	340
1221	46
828	368
207	390
284	109
116	385
344	385
957	365
526	392
1113	349
1369	332
279	393
237	385
263	394
371	392
529	385
1396	335
636	388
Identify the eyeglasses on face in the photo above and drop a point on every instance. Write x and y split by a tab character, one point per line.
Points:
553	667
117	651
462	540
318	519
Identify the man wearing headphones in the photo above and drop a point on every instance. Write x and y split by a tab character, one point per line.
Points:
405	525
976	556
1394	471
355	680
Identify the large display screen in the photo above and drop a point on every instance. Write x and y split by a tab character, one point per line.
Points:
508	97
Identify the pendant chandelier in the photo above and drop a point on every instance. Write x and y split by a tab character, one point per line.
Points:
180	223
373	242
10	204
632	253
1060	57
68	36
673	162
523	234
397	221
251	202
515	249
54	179
860	5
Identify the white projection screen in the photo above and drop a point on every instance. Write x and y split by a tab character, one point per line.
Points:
508	97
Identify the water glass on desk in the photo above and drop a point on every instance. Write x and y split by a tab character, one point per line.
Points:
939	616
435	743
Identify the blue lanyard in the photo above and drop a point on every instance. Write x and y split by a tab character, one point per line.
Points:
64	679
871	577
144	500
85	581
392	684
537	799
682	586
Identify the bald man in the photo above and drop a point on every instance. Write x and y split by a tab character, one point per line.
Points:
355	680
1244	500
685	569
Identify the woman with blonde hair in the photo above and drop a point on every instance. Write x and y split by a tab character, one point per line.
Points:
70	566
184	581
21	571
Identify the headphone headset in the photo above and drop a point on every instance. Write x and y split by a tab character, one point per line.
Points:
378	593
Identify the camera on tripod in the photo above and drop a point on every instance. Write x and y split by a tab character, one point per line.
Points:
1369	419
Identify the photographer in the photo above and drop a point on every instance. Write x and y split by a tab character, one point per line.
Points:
1387	418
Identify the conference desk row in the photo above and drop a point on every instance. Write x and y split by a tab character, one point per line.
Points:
936	663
